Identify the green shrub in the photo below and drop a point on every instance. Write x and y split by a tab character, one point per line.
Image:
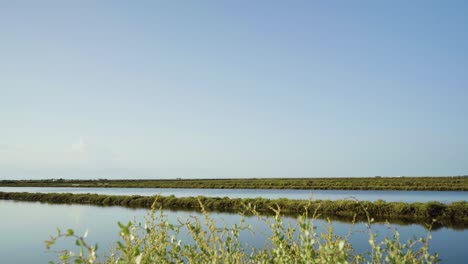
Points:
157	241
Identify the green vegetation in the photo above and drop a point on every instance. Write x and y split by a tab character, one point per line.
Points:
453	215
158	241
459	183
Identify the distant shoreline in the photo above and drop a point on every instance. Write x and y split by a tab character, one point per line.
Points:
448	183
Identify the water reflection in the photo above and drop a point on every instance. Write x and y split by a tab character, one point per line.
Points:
25	225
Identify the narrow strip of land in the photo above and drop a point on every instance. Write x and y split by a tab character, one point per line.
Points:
458	183
453	215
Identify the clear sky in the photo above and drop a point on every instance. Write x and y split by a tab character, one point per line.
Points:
164	89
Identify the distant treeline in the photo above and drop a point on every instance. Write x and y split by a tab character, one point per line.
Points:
453	215
449	183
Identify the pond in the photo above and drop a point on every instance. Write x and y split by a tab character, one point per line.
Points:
363	195
25	225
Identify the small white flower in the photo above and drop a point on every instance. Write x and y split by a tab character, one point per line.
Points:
341	245
138	259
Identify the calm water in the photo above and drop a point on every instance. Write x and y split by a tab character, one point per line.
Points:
363	195
24	226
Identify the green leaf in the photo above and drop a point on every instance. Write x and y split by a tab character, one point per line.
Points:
137	252
121	246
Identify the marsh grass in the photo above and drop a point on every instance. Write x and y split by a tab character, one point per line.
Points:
156	240
454	214
455	183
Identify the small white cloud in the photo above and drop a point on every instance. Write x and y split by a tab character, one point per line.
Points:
10	147
80	146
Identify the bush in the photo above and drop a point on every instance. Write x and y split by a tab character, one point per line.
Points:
156	241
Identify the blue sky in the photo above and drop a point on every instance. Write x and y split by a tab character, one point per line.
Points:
164	89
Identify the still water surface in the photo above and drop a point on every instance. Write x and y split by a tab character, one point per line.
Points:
363	195
25	225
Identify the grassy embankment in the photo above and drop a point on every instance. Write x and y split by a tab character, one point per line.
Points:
454	215
459	183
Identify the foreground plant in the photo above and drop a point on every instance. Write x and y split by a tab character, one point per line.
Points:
157	241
